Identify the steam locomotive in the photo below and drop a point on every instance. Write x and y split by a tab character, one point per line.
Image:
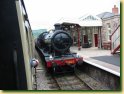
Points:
55	49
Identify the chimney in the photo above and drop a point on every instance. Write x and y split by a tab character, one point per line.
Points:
115	10
58	26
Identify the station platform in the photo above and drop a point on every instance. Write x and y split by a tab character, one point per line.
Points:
100	58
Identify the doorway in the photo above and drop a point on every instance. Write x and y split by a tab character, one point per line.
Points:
96	40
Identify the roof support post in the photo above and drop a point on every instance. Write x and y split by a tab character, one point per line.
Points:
78	37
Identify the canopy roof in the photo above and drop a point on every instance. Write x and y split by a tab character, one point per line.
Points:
69	21
86	20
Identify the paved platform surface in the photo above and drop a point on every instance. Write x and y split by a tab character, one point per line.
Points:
100	58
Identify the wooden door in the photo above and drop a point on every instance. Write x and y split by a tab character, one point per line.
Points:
96	40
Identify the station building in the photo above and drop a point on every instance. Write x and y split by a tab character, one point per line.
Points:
110	26
92	30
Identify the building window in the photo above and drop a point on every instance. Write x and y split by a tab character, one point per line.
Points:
108	31
109	34
108	25
84	32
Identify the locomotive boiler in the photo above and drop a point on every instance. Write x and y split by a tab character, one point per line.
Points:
57	41
55	48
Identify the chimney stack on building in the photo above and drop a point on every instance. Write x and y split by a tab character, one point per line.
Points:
115	10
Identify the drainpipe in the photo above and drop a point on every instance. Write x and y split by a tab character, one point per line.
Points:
100	37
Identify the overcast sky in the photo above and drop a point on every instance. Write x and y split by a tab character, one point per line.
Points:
43	14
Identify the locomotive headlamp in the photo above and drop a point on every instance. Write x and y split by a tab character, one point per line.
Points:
50	57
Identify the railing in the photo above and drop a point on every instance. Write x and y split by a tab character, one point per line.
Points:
115	40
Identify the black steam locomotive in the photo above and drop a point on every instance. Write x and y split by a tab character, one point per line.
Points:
55	48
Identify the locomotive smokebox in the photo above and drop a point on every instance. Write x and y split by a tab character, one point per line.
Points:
58	40
61	41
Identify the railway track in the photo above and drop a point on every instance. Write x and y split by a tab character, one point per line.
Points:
71	82
78	81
